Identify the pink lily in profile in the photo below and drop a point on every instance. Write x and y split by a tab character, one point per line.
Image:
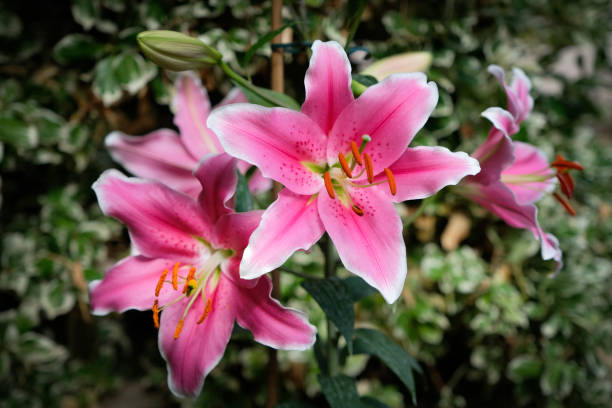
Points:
344	162
515	175
169	157
186	269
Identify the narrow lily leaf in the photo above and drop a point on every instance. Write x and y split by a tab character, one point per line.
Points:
367	80
334	298
369	341
261	42
320	354
340	391
269	98
358	288
243	198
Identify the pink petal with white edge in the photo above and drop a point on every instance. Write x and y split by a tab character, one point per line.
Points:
514	104
370	246
497	152
551	250
272	324
529	162
328	84
234	96
290	224
276	140
199	347
159	155
391	112
130	284
521	85
217	175
192	107
422	171
162	222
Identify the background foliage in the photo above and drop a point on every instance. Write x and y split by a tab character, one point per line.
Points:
480	314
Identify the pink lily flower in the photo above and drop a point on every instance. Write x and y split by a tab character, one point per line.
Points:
189	251
515	175
344	162
171	158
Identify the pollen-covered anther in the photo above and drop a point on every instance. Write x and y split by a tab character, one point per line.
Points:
560	163
155	310
345	165
391	181
328	185
566	183
175	275
369	168
206	312
565	204
189	280
357	210
179	327
356	153
160	282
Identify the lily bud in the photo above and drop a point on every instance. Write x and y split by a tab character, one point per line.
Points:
176	51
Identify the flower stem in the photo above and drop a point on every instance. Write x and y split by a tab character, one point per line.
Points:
420	210
333	361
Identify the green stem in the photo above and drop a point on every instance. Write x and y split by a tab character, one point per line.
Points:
333	361
243	82
297	273
420	210
354	23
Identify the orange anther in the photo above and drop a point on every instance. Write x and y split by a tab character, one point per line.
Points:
562	163
328	185
160	282
345	165
369	168
179	327
175	275
207	310
155	310
357	210
189	278
565	204
356	153
566	183
391	180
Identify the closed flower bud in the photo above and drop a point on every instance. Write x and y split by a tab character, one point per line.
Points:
176	51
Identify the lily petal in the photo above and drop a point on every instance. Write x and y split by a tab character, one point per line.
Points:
291	223
130	284
159	155
199	347
257	183
530	161
235	229
277	140
371	246
391	112
162	222
497	152
521	85
271	323
217	175
422	171
328	84
192	107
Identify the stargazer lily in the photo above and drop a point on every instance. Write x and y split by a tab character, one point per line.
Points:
187	270
515	174
344	162
169	157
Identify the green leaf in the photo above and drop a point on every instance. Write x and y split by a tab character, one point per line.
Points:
333	297
261	42
320	354
105	84
270	98
524	367
369	341
367	80
17	133
369	402
243	198
293	404
86	12
340	391
76	47
358	288
133	72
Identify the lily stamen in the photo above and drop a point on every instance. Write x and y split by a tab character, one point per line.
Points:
561	163
565	204
357	210
566	183
179	327
207	310
356	153
155	310
189	280
344	165
328	185
175	275
160	282
369	168
391	180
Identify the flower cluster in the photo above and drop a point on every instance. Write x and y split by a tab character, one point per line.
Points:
199	265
